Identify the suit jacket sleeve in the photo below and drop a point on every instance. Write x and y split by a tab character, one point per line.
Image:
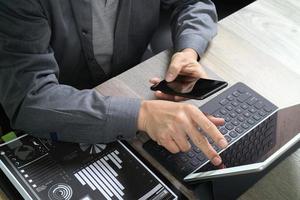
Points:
32	96
193	23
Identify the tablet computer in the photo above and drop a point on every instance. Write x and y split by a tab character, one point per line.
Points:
256	151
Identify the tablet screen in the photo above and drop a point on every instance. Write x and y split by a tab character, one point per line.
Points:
260	143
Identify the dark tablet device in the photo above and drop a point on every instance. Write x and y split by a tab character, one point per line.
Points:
189	87
258	149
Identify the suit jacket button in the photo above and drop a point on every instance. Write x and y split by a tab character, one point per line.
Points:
84	32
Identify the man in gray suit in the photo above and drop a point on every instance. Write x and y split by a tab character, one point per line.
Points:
53	52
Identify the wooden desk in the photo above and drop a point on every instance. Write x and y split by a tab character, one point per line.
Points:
258	45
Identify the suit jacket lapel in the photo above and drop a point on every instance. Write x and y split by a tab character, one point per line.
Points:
82	12
121	36
83	15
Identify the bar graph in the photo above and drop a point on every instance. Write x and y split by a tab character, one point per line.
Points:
101	176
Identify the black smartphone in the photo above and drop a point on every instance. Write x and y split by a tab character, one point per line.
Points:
190	87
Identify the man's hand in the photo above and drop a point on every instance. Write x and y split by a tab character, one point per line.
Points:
182	63
170	124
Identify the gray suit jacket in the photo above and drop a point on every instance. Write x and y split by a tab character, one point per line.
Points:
47	64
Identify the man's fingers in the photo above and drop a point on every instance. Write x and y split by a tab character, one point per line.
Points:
215	120
178	98
177	62
168	97
182	142
194	70
202	143
208	127
154	80
164	96
171	146
173	71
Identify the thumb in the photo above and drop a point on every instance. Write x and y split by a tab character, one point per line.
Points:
173	71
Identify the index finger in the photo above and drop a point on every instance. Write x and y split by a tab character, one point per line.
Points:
194	70
208	127
174	67
163	96
202	143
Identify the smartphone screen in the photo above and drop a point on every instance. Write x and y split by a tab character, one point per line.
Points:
190	87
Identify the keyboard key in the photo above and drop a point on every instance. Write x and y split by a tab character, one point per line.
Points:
256	117
244	106
250	121
216	147
235	104
227	119
238	111
195	162
241	119
223	131
196	149
224	102
252	101
223	111
262	113
267	109
191	154
244	97
233	134
201	157
252	110
229	108
227	138
217	115
169	157
185	168
235	122
230	97
229	126
242	90
245	126
239	130
259	105
184	159
233	115
236	93
246	114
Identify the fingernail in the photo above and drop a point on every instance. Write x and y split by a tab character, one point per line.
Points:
169	77
216	161
223	143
